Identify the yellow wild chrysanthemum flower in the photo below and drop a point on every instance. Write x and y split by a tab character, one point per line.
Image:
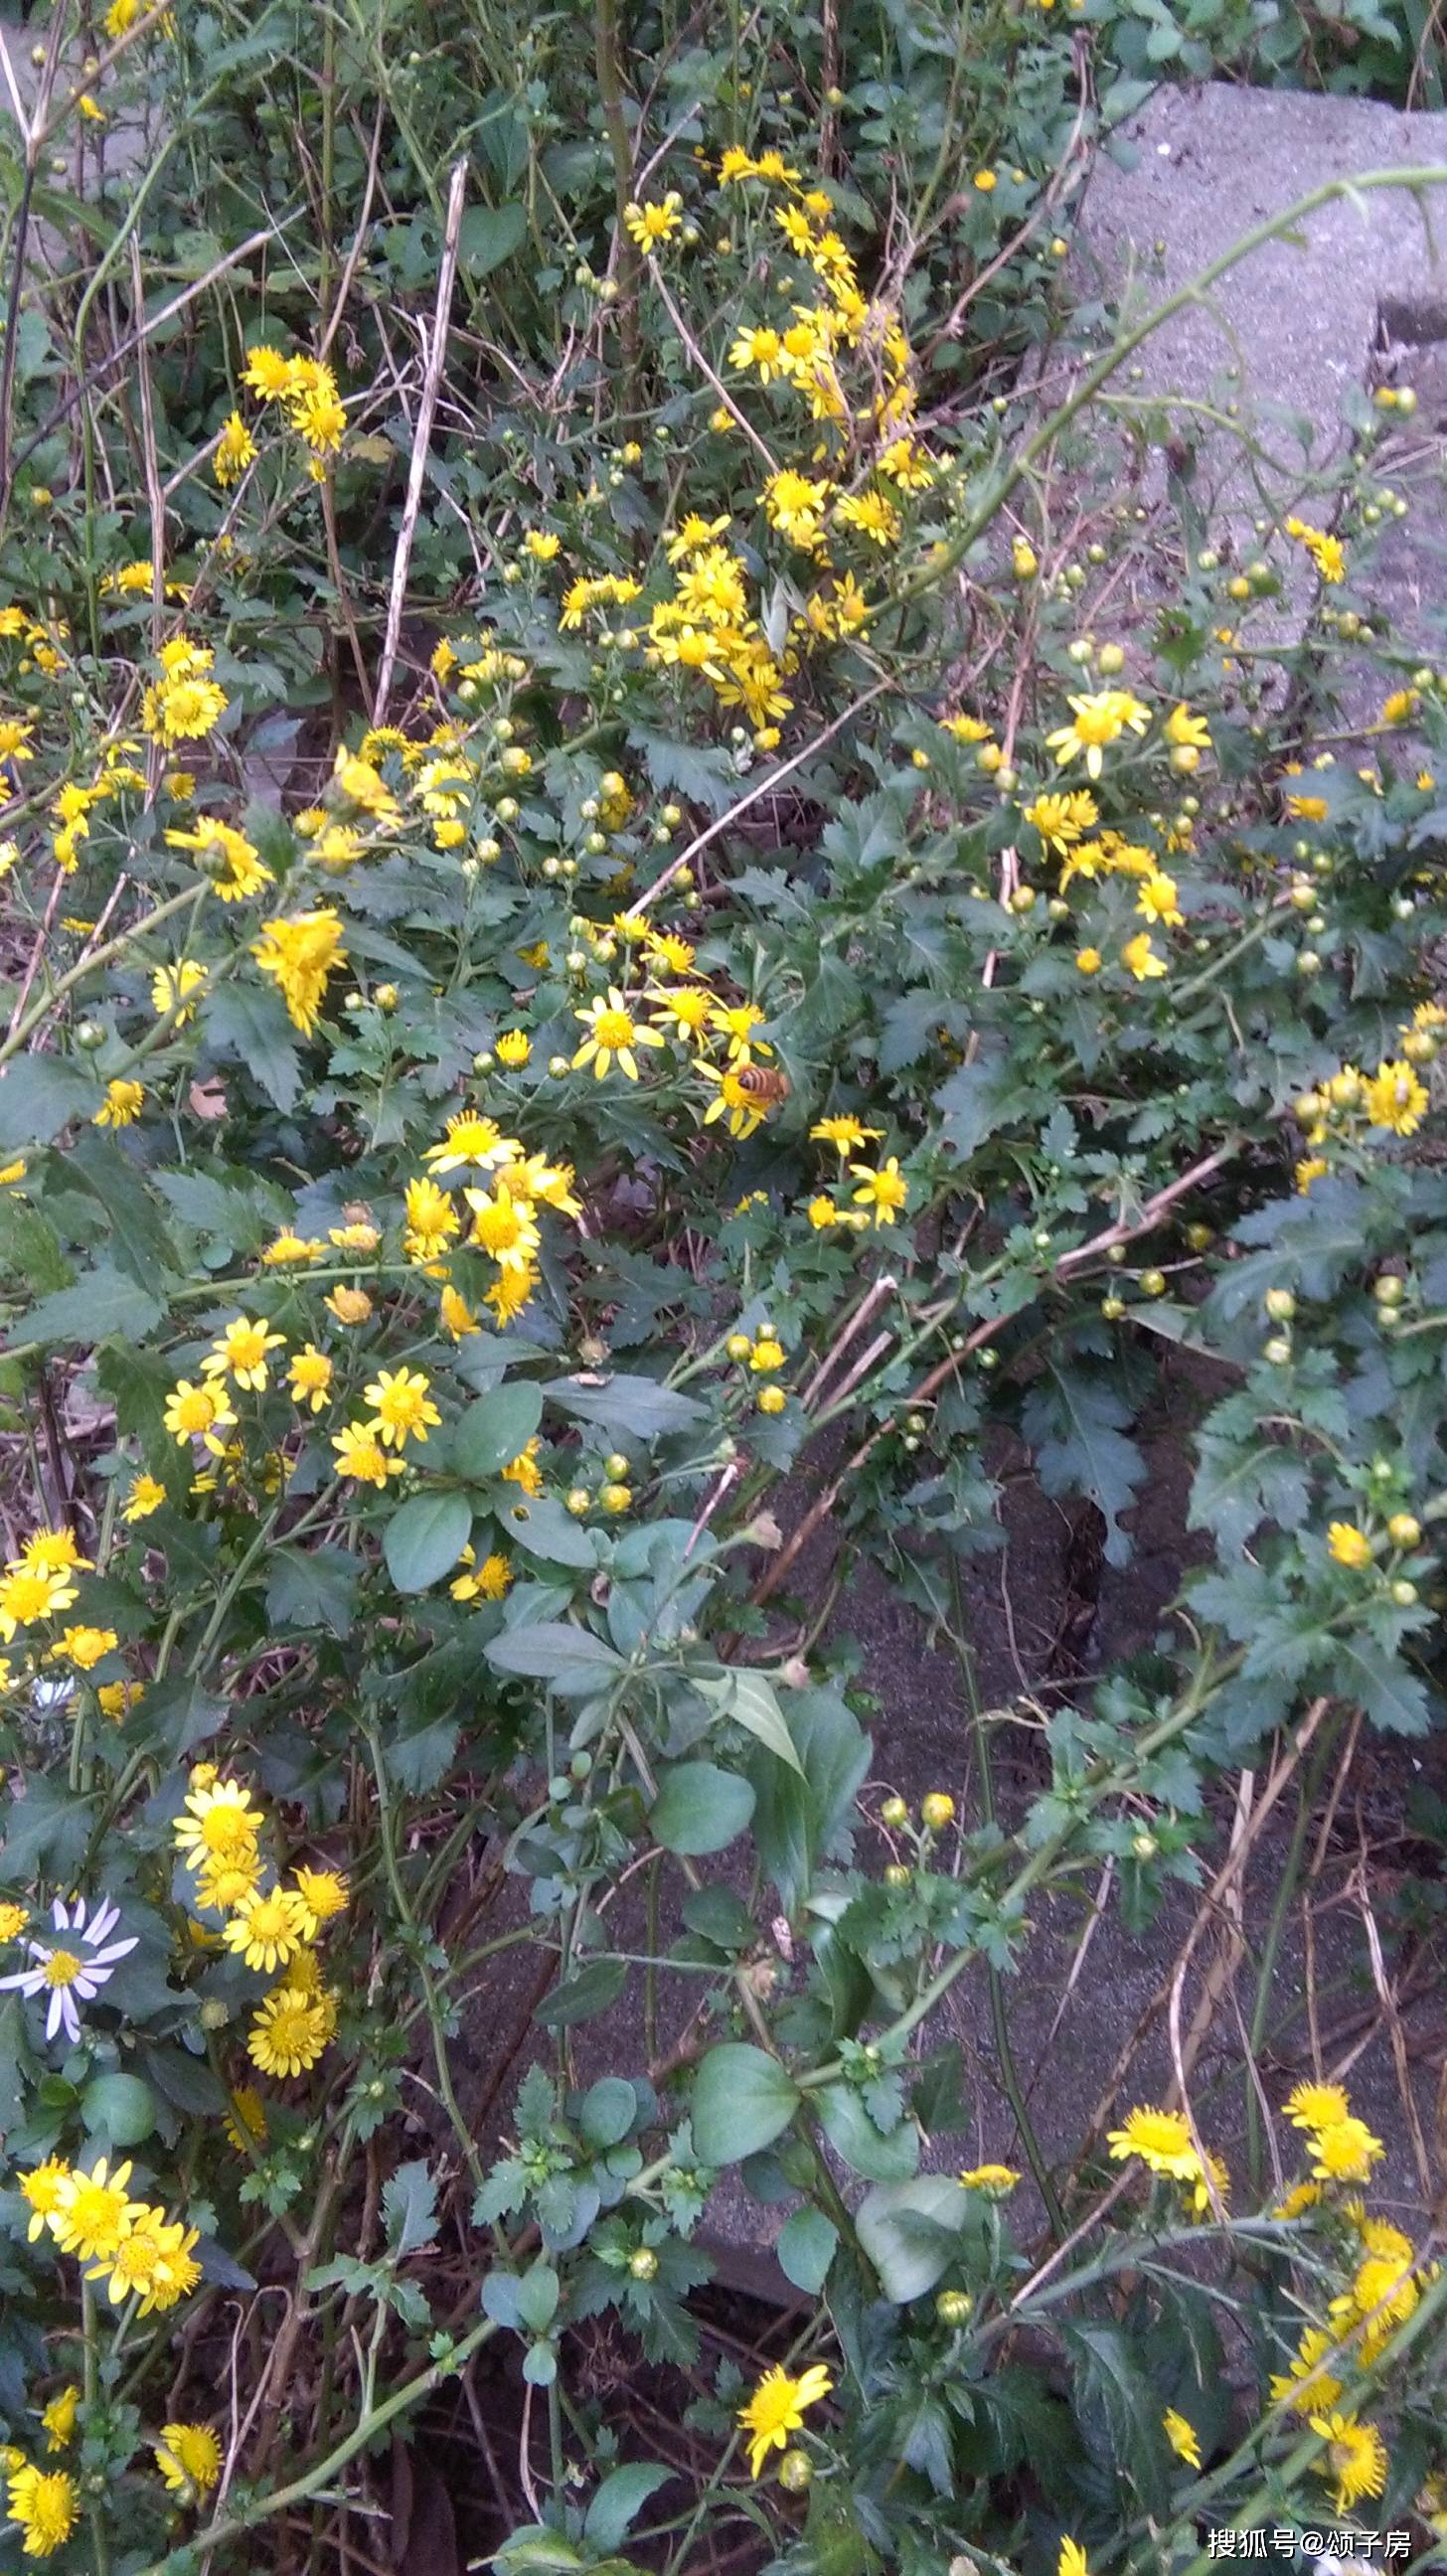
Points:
776	2409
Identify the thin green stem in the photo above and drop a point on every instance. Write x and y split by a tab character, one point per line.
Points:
944	561
86	966
1306	1797
1008	2071
90	2382
432	2000
321	2474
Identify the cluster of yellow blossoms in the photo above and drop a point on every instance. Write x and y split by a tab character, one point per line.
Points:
848	361
128	2244
269	1925
45	2503
42	642
882	1190
1325	551
1381	2295
185	704
36	1587
77	799
762	1353
306	390
1393	1100
1067	820
503	1203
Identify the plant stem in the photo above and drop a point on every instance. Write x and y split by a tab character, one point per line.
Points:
90	2381
1306	1795
610	92
999	2018
1195	291
431	1999
87	965
372	2422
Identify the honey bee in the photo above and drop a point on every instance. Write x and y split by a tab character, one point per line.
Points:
763	1082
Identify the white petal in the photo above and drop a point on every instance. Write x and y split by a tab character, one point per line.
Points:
26	1981
69	2015
57	2009
118	1950
102	1923
59	1915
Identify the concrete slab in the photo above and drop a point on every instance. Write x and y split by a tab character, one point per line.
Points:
1297	320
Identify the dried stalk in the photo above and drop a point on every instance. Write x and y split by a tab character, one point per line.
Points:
436	355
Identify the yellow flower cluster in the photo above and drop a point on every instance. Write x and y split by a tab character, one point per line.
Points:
369	1448
1393	1100
848	361
1325	551
185	703
883	1189
128	2244
44	2502
1162	2142
763	1356
299	954
707	626
503	1207
306	389
75	802
1382	2294
38	1583
270	1926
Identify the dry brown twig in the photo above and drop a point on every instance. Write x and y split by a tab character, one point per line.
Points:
431	382
1391	2014
762	787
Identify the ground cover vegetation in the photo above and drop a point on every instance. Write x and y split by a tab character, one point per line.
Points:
637	927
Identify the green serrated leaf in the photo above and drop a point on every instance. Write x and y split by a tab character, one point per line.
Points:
250	1025
627	1407
106	1304
409	2208
556	1651
1074	1423
912	2232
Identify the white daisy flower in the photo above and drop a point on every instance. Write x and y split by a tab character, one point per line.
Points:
65	1973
